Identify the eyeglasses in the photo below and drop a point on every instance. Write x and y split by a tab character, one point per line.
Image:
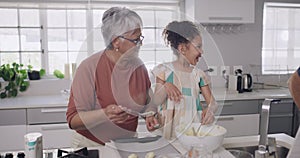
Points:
135	41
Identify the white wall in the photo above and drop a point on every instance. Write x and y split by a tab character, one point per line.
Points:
244	48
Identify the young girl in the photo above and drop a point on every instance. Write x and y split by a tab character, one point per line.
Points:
179	83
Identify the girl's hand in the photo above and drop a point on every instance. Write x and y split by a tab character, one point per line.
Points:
207	117
116	114
173	92
152	123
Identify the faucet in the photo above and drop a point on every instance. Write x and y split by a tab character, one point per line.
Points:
267	145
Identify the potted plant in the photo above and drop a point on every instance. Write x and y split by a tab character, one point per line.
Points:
14	78
34	74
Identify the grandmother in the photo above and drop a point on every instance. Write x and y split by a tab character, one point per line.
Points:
108	81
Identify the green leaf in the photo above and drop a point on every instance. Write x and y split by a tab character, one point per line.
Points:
23	88
8	87
14	92
3	95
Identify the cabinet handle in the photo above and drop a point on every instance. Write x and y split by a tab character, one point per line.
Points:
53	110
54	127
281	115
225	118
226	103
226	18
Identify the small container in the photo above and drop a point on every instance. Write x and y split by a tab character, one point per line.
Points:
33	145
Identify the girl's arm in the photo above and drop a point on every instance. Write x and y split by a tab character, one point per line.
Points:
208	113
165	90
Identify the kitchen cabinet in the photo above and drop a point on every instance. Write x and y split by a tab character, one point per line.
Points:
13	128
235	124
54	135
235	114
51	122
225	11
281	118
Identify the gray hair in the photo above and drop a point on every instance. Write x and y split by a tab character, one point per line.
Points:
117	21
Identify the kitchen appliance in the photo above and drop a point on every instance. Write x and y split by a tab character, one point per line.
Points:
247	83
235	82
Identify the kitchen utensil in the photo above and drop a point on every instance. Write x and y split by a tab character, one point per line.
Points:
198	129
136	113
212	138
135	139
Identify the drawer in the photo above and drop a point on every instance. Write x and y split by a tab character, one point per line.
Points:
281	124
235	124
285	106
46	115
12	138
239	107
13	117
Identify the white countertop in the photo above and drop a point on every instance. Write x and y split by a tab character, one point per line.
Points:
33	102
223	94
59	100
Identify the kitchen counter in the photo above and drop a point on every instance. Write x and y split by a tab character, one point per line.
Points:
175	147
223	94
33	102
59	100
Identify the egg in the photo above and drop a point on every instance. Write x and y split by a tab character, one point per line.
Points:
150	155
132	156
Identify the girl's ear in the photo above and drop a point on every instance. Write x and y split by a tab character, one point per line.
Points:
182	48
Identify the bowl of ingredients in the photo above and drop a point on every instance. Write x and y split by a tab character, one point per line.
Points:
207	136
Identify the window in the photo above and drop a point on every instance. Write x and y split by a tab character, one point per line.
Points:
50	37
280	47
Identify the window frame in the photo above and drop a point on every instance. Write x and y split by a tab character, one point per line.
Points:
89	25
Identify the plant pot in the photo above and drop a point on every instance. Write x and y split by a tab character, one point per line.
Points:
34	75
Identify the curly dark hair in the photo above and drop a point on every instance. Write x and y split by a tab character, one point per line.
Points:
178	32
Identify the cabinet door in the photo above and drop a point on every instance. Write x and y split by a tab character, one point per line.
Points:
12	117
54	135
12	138
46	115
12	129
239	107
240	125
224	11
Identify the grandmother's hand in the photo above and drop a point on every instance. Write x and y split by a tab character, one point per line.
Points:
116	114
152	123
173	92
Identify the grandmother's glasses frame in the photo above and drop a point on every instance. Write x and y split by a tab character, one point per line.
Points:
138	40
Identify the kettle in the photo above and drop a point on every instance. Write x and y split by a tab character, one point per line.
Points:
235	82
247	82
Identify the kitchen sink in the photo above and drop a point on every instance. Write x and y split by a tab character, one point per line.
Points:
281	151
